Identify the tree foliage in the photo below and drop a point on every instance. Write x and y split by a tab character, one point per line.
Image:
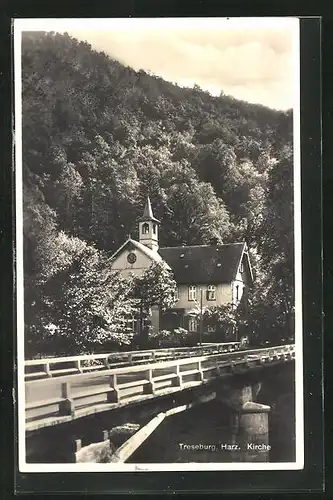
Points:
79	304
99	136
223	319
154	287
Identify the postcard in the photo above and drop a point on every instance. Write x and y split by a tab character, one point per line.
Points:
158	244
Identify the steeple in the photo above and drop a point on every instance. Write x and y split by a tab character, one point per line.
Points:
148	212
148	227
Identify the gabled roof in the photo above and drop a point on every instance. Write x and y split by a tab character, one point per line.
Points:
154	256
205	263
148	212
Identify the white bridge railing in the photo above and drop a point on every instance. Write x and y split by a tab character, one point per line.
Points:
101	391
51	367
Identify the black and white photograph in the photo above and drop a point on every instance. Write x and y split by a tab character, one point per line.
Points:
158	244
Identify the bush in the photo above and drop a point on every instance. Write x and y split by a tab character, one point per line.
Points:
181	336
176	338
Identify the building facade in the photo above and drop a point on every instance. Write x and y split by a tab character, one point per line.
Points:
206	275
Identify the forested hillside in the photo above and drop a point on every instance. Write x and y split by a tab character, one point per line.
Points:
99	136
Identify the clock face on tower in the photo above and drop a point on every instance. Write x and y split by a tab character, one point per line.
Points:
131	257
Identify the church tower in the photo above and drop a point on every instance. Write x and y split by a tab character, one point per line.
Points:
148	228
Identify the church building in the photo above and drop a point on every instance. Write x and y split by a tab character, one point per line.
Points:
206	275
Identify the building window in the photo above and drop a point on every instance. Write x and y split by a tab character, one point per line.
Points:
241	269
192	324
211	292
192	292
154	228
211	329
145	228
237	293
176	295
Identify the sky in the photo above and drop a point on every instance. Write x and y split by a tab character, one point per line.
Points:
250	59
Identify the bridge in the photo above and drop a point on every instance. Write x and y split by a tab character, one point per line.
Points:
65	396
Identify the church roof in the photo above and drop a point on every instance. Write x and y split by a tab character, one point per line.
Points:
205	263
148	212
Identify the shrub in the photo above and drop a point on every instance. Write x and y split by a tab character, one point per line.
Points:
165	338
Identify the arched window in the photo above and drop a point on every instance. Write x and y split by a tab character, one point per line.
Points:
145	228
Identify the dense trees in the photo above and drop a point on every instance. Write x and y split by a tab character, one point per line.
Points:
98	137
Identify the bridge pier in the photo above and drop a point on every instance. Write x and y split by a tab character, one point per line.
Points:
249	423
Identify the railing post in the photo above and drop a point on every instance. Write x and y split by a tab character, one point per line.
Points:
113	395
150	387
77	445
178	380
201	374
247	362
66	407
78	365
105	435
106	362
232	366
47	369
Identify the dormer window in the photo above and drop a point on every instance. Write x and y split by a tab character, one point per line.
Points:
211	292
192	292
145	228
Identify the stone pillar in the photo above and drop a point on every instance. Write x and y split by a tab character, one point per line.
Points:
249	425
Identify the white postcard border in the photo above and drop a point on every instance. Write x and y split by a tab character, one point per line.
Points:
62	25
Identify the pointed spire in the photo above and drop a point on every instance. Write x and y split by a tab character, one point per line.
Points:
148	212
